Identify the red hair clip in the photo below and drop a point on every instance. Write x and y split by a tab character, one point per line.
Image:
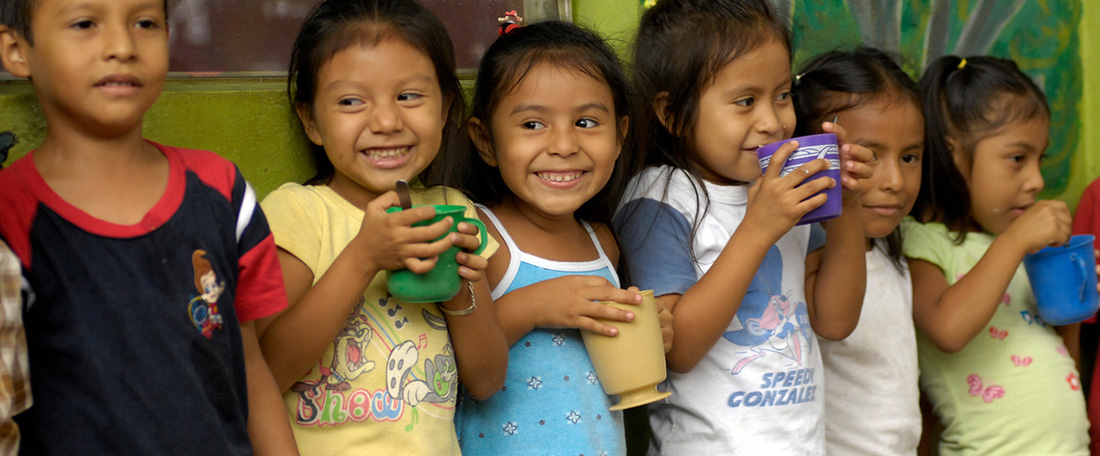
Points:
509	22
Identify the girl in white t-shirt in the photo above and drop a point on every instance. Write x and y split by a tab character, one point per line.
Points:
718	242
871	394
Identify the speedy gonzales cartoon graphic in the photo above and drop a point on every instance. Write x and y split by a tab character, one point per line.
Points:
203	308
770	321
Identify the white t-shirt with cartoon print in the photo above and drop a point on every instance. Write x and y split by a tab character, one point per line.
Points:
759	389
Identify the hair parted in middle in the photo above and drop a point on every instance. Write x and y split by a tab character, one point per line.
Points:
335	25
502	69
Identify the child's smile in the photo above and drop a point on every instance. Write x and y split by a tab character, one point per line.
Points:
747	105
554	138
376	126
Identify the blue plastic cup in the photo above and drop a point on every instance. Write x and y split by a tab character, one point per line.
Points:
1064	281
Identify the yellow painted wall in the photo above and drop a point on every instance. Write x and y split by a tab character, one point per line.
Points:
1086	165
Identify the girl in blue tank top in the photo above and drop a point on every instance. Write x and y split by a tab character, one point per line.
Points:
547	128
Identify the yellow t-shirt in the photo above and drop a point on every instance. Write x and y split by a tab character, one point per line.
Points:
388	382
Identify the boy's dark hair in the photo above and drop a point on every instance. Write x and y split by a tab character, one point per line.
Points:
18	15
681	46
966	100
837	81
335	25
503	68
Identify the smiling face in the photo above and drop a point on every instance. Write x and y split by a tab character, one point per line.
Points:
379	113
1004	178
96	65
554	139
893	128
747	105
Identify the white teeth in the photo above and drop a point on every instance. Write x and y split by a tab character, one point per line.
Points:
558	177
387	153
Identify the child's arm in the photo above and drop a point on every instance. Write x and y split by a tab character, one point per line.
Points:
562	302
836	275
481	350
268	425
950	316
294	339
705	310
1071	336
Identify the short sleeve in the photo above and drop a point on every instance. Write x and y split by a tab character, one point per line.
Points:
817	237
927	242
260	288
293	214
654	240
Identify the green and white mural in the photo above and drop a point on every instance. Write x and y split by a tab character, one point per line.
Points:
1041	36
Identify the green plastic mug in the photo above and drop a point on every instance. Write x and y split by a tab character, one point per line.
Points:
443	281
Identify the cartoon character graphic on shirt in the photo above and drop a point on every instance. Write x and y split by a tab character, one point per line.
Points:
441	375
203	309
770	322
349	356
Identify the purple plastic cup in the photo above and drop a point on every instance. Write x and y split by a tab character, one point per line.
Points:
810	148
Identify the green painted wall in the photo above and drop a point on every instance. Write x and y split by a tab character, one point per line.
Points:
248	120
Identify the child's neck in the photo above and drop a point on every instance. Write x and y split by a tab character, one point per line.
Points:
115	179
554	237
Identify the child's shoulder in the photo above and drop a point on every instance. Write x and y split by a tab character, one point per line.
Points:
211	168
440	194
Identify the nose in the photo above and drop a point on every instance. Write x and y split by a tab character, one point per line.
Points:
563	142
385	118
1033	180
889	176
119	43
768	123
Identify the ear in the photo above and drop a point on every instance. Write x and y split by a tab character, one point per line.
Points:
13	52
480	136
305	114
624	127
660	106
962	163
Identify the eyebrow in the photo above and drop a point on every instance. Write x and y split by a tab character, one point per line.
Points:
418	77
543	109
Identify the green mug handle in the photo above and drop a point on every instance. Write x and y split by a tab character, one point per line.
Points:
484	234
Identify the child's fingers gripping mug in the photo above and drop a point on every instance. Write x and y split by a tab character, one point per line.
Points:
443	281
632	363
810	148
1064	281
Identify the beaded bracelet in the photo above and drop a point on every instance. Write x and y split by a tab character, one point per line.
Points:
466	311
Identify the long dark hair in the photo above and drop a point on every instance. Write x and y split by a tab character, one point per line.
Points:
503	68
334	25
680	47
966	100
837	81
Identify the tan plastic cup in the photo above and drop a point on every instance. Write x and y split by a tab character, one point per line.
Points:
631	364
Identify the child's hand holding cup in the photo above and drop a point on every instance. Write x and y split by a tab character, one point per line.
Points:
443	281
